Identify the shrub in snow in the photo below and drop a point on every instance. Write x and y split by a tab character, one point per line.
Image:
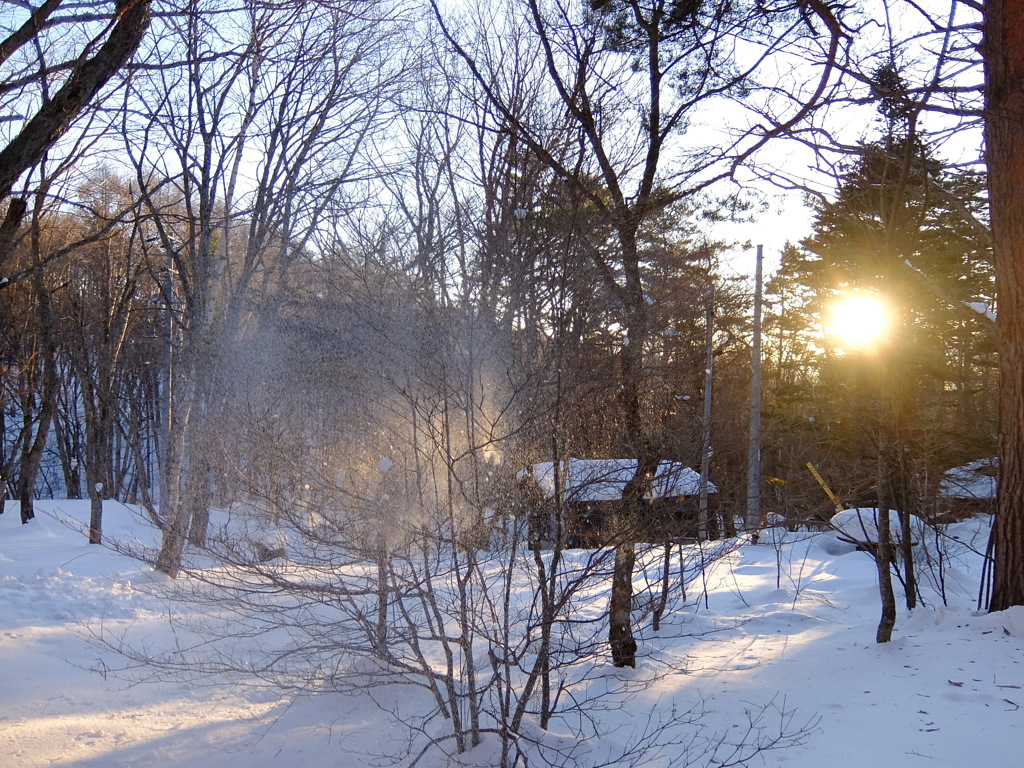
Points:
246	532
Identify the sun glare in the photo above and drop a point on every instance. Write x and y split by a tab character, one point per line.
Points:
858	321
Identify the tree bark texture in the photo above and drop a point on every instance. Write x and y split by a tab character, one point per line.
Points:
32	455
620	626
884	554
56	115
1004	140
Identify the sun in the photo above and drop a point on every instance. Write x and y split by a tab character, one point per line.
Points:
858	321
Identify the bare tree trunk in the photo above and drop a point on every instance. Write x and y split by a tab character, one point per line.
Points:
98	459
908	506
380	635
5	461
32	458
1004	141
66	429
135	433
883	561
96	513
883	546
175	513
199	492
705	424
659	609
620	627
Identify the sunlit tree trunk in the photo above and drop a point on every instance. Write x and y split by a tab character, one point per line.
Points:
1004	140
883	546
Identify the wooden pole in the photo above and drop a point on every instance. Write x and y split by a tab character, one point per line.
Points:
753	516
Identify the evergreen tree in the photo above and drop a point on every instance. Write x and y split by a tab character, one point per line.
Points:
902	228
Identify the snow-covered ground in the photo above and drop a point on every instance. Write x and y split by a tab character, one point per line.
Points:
799	620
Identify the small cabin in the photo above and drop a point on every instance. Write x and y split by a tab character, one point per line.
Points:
589	493
968	490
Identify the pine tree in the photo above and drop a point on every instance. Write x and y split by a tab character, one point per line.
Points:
902	228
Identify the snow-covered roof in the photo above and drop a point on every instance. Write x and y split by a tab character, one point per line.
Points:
605	479
976	480
861	525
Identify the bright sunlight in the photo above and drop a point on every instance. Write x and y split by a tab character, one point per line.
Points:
857	320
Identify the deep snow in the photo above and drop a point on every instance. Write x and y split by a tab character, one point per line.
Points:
948	691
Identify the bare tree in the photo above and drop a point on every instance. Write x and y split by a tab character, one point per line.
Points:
31	376
629	76
63	87
237	156
103	324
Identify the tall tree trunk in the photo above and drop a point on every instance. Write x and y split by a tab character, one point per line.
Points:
32	458
98	458
174	510
907	508
65	429
884	551
199	496
620	626
96	513
659	609
1004	142
32	455
5	462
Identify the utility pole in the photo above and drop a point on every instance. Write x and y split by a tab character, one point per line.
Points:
705	450
753	515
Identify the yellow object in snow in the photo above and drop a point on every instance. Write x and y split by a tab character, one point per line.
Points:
825	488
